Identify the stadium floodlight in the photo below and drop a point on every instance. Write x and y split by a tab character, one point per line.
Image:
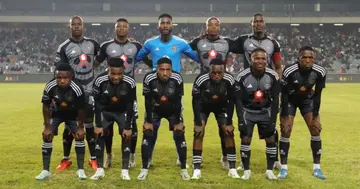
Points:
96	24
294	24
321	24
338	24
144	24
175	24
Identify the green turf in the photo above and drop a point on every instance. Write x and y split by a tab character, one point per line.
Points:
20	141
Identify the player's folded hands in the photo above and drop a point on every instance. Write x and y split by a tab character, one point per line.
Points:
47	134
99	131
229	130
79	135
127	133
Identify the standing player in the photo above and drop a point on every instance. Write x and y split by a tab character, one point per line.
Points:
257	102
80	52
210	46
69	102
245	44
214	92
298	81
114	94
168	45
122	47
163	90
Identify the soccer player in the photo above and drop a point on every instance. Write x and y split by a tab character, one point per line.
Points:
257	102
163	90
122	47
69	102
214	92
245	44
210	46
114	94
297	85
169	45
80	52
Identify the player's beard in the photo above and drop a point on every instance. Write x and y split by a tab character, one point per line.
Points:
168	32
77	34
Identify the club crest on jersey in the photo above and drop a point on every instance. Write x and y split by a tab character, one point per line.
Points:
212	54
130	51
174	48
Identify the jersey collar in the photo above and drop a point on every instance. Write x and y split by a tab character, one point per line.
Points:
253	36
75	41
120	43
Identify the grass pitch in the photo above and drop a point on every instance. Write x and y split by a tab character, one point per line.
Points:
20	141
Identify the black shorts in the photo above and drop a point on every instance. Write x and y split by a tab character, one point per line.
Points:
261	119
110	130
109	118
69	124
220	115
171	119
305	106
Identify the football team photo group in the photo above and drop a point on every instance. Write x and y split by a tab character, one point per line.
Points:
266	93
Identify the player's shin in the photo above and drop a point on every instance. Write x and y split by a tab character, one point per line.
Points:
276	143
125	148
230	151
270	152
316	150
155	134
90	139
284	151
47	147
67	142
197	152
181	147
222	140
134	137
146	147
80	153
99	150
245	152
109	140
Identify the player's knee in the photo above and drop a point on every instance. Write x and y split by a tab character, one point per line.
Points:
246	140
48	140
148	133
315	131
229	141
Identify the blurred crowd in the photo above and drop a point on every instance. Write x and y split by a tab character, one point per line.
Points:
32	50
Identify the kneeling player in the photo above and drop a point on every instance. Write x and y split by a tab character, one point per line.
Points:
214	92
163	90
69	102
257	102
114	95
297	83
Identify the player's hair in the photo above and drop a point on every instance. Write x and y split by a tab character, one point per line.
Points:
258	50
164	60
165	15
76	16
121	20
212	18
63	67
217	61
255	15
116	62
306	48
